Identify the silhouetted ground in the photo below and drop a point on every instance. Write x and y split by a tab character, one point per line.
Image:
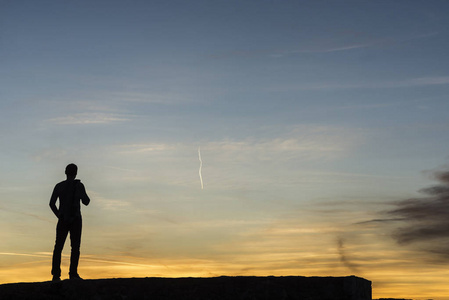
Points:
218	288
393	299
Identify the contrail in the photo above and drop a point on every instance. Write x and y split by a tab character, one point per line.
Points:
201	165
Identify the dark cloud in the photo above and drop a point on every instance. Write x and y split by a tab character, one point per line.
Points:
425	220
378	221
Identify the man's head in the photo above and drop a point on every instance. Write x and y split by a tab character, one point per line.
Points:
71	170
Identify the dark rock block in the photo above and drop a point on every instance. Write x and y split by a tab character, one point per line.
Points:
219	288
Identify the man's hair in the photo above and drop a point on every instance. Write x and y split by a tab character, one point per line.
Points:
71	170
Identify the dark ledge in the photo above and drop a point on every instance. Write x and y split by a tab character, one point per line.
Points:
218	288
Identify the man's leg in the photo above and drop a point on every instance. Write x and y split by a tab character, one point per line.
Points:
61	235
75	241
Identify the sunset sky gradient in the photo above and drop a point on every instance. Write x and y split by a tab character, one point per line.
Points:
314	118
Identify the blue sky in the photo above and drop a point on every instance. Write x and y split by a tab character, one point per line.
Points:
311	116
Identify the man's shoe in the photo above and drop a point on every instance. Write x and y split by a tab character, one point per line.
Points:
56	279
75	277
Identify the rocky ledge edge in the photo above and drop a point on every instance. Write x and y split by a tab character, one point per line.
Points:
214	288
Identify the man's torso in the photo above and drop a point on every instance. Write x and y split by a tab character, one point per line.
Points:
69	198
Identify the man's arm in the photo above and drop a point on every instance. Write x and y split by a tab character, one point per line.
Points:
54	197
84	198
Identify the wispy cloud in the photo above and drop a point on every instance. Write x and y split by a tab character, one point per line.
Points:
49	154
374	221
228	160
411	82
423	81
26	214
146	148
37	254
330	42
86	257
168	98
88	118
305	142
354	40
110	204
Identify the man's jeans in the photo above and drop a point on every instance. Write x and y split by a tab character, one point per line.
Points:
62	229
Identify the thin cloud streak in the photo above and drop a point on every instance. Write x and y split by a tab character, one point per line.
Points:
145	148
27	214
379	221
307	143
88	118
338	42
25	254
85	258
406	83
148	97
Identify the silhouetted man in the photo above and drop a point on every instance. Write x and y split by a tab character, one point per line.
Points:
69	192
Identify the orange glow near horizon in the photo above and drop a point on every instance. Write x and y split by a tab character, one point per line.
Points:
389	283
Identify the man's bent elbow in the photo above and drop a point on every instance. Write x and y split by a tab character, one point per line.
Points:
54	209
86	201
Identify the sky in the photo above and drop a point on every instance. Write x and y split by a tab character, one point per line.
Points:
225	137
